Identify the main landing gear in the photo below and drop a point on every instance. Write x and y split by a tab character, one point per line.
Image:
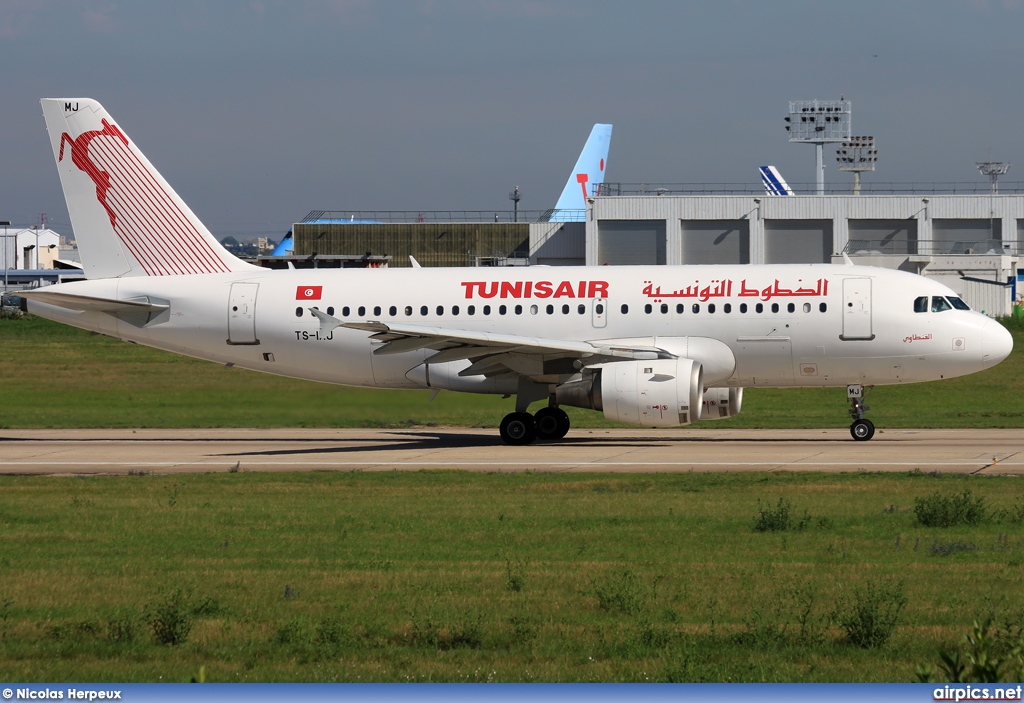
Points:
549	423
862	428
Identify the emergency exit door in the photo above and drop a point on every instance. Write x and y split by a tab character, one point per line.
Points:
242	314
857	309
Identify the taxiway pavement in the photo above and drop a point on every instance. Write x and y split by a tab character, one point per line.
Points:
107	451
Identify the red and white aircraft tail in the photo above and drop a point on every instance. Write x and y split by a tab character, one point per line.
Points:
128	221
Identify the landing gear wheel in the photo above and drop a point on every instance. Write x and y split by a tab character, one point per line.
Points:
518	428
552	423
862	430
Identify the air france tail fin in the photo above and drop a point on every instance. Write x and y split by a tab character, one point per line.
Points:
588	172
128	221
774	183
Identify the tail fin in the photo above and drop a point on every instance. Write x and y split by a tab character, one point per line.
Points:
588	172
774	183
128	221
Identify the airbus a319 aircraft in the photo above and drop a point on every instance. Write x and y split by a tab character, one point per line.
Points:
656	346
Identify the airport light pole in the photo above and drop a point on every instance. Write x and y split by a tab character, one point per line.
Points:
819	122
6	224
858	155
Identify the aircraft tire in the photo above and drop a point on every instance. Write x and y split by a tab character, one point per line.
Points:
862	430
518	429
552	423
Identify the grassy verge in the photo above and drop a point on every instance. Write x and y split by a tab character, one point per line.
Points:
446	576
58	376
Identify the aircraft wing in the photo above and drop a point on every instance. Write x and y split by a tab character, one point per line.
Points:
489	352
82	303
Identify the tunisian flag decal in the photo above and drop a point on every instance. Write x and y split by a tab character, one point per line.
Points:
309	292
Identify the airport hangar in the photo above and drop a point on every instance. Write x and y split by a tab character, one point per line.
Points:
971	241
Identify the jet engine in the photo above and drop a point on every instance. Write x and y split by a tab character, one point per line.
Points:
721	403
656	393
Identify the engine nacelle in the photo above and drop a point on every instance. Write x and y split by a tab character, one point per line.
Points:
658	393
721	403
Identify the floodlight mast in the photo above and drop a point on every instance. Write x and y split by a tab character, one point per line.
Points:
858	155
819	122
993	169
515	197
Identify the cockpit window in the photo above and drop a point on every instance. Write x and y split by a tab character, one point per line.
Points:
921	304
957	303
940	304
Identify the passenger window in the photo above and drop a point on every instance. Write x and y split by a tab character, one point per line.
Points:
727	307
743	307
424	310
565	309
471	310
711	308
648	308
696	308
534	309
759	307
455	309
822	307
408	309
807	307
599	309
502	309
940	304
362	311
330	311
487	309
376	310
393	311
664	308
519	309
624	308
298	311
345	311
958	303
581	308
550	309
775	307
440	310
680	308
791	307
921	304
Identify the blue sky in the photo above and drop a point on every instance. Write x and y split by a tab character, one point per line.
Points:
259	111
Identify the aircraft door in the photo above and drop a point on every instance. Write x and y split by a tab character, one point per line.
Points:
242	314
856	309
599	312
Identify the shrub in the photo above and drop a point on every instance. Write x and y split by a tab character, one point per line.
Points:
950	509
869	620
515	579
779	518
171	618
622	592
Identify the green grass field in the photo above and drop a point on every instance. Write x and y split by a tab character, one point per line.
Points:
59	376
452	576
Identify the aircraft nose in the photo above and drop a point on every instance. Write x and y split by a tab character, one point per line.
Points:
996	344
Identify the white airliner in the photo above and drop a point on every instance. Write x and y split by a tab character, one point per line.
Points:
656	346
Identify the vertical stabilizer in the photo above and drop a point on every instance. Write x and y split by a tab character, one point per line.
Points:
128	221
774	183
588	172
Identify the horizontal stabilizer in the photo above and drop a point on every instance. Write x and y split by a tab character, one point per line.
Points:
87	303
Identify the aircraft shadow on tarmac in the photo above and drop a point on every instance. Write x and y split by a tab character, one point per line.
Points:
421	441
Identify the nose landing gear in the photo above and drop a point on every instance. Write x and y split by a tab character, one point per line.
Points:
862	428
